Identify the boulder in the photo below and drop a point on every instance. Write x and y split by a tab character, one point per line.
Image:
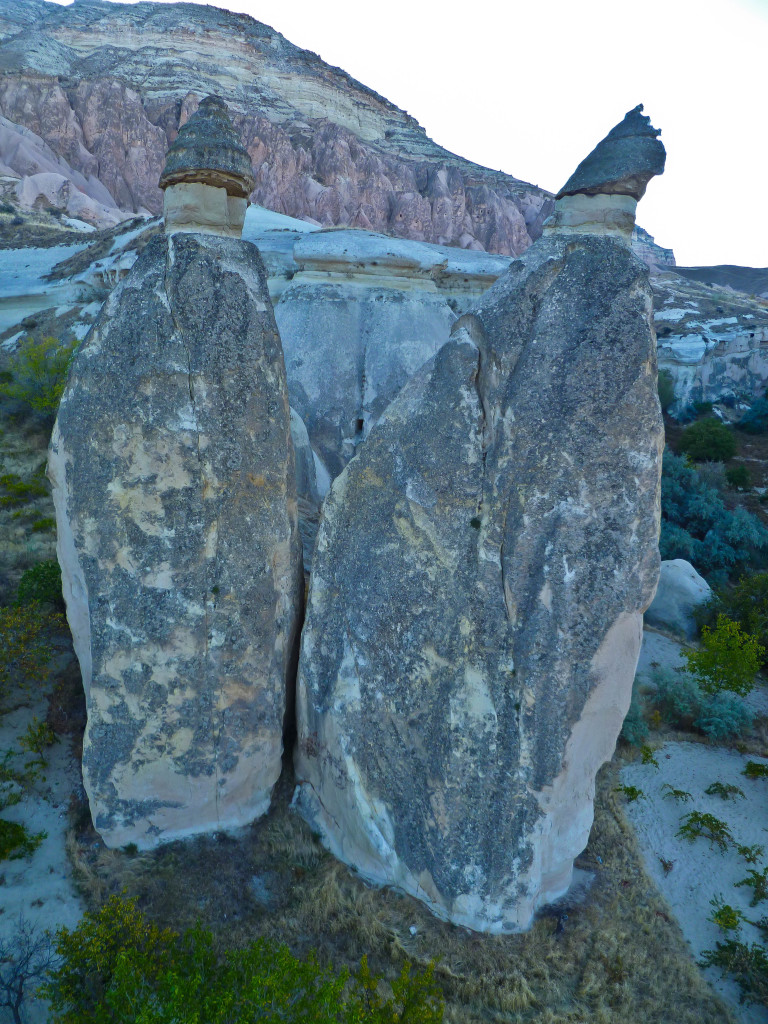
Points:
681	590
480	575
173	479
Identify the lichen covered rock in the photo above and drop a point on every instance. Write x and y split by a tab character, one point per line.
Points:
480	574
174	488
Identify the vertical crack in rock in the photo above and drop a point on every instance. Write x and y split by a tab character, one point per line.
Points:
468	729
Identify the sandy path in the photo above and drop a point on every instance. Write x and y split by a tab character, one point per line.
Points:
699	873
40	887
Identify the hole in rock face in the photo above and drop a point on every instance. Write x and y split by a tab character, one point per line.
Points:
359	427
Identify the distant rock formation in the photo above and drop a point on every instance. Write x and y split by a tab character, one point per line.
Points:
173	480
359	317
322	145
481	570
35	173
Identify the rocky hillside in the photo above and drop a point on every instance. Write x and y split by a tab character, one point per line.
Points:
106	87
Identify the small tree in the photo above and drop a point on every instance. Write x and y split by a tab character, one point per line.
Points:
25	959
728	660
708	439
38	374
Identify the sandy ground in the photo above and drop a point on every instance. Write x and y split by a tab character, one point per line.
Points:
698	872
40	887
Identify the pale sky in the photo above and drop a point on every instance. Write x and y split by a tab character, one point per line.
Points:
530	89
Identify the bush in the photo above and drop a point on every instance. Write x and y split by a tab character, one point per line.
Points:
697	526
16	841
746	602
755	419
705	826
666	385
635	728
748	965
39	373
708	439
41	583
723	716
118	968
738	477
729	659
683	705
24	650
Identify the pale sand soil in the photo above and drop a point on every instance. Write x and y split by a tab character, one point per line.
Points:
700	873
40	887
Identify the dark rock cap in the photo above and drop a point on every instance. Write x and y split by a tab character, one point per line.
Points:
207	150
623	163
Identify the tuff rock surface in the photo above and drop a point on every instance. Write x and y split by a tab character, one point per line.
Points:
480	575
173	479
623	163
360	315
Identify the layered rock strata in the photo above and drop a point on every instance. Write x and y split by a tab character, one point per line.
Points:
173	480
322	145
480	574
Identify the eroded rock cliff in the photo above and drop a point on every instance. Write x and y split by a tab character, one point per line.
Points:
106	86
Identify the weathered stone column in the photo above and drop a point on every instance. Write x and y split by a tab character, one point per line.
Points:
173	479
481	570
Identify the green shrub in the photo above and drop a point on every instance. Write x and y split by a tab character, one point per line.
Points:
738	477
708	439
19	492
16	841
729	658
726	917
635	728
43	525
707	826
748	965
723	716
39	373
41	583
683	705
724	790
758	882
745	602
755	770
755	419
666	386
24	649
697	526
118	968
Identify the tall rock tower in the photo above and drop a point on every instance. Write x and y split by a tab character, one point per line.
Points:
481	571
172	471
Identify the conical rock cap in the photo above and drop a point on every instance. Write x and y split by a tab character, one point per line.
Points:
623	163
207	150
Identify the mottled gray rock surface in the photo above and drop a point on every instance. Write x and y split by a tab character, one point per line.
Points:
623	163
174	488
475	611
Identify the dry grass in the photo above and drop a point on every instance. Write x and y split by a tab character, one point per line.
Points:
620	959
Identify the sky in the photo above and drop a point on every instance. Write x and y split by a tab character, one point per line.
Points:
531	88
